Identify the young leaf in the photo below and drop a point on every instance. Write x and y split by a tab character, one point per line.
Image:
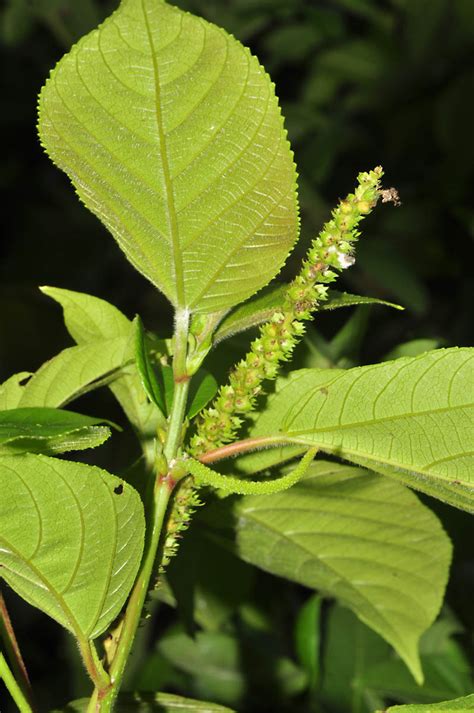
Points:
409	419
48	430
308	638
203	389
179	150
363	539
457	704
260	309
71	541
345	299
145	368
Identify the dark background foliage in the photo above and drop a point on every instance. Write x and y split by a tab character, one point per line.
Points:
361	82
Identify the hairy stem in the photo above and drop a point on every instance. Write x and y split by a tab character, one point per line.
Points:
104	697
93	664
237	448
12	686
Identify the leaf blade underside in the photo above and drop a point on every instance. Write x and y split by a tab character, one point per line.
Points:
72	539
409	419
171	134
47	430
352	534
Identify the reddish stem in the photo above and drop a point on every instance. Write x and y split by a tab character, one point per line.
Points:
239	447
13	652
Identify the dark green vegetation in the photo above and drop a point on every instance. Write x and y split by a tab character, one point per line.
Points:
361	83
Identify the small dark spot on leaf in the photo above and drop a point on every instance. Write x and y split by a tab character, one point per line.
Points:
455	482
324	391
118	490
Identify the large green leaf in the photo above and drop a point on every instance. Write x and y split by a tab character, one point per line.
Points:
48	430
410	419
71	539
364	539
461	705
171	134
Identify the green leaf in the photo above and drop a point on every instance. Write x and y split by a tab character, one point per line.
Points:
67	375
360	670
90	320
145	369
171	134
414	347
11	390
409	419
457	704
255	311
345	299
350	649
212	658
260	309
72	539
151	703
47	430
308	638
446	668
203	389
363	539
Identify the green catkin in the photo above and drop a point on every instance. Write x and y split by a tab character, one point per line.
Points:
329	253
230	485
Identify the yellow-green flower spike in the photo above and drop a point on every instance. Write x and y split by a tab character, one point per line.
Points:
331	252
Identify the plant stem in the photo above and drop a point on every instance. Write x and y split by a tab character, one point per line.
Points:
13	652
103	698
181	385
15	691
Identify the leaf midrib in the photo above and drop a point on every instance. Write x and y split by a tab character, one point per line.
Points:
167	180
373	421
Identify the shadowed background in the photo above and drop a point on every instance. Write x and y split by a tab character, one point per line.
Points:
361	83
